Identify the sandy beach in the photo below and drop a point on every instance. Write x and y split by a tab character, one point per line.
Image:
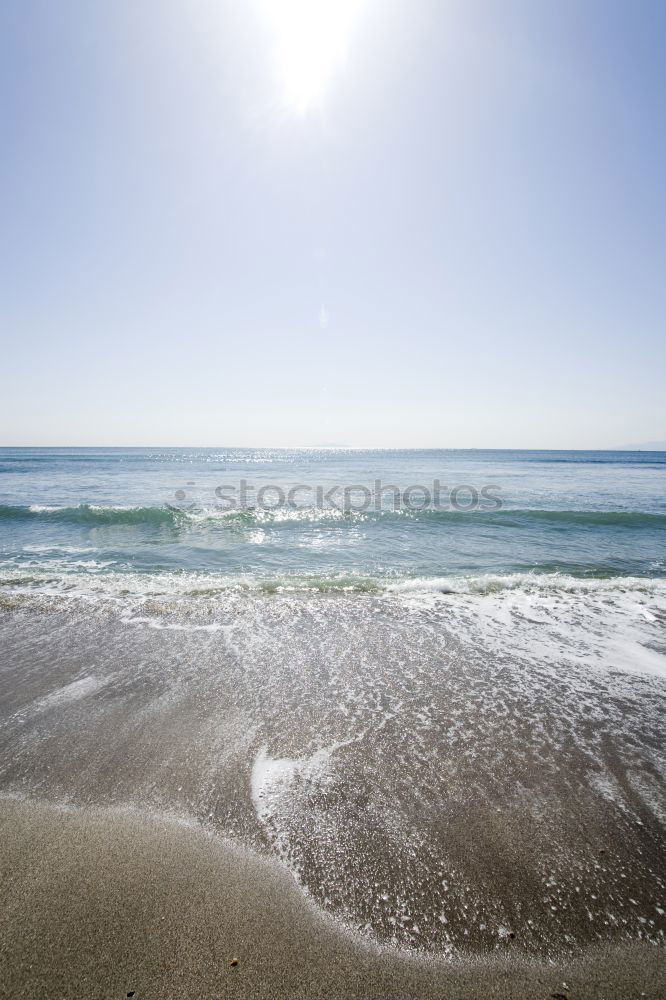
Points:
104	903
177	794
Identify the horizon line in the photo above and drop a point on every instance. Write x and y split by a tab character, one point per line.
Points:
313	447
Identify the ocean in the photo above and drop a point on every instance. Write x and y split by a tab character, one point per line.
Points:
430	684
117	517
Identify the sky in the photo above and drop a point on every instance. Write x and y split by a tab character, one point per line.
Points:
381	223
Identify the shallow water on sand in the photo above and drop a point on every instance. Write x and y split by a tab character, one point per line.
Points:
424	773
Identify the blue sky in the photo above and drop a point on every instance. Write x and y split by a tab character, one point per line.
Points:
459	241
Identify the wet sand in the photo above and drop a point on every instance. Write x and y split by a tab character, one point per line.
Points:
354	798
424	790
108	903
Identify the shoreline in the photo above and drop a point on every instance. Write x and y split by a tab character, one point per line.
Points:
437	794
103	902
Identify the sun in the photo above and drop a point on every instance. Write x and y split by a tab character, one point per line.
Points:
311	41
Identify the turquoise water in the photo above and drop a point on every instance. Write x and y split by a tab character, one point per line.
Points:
107	512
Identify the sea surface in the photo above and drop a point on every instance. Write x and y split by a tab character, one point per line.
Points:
75	514
443	712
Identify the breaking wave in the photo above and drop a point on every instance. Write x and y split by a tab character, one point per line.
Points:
92	514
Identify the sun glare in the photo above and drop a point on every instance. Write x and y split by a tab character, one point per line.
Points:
311	40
